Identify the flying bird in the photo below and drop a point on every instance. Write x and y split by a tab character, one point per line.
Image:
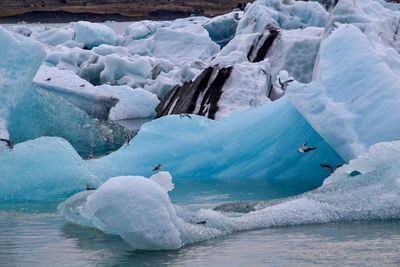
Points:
157	168
9	143
304	148
201	222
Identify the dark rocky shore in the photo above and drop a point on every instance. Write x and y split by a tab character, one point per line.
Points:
63	11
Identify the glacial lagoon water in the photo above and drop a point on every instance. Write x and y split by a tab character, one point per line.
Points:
37	235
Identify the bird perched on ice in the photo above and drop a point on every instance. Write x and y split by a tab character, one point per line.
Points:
157	168
48	79
89	188
284	84
9	143
304	148
183	115
329	168
202	222
128	138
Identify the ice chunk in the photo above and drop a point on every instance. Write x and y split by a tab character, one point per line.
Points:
176	43
137	209
40	113
53	36
93	34
19	60
222	29
143	29
77	91
247	87
44	169
133	103
163	179
284	14
67	58
349	109
117	70
296	51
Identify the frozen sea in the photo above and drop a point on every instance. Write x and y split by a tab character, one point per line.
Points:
38	236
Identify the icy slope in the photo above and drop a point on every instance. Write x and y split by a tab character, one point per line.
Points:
19	60
354	100
44	169
259	144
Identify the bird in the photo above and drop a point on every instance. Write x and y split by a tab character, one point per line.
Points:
284	84
183	115
328	167
82	85
128	138
48	79
9	143
304	148
89	188
201	222
157	168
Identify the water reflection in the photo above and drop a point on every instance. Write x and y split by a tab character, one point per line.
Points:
37	238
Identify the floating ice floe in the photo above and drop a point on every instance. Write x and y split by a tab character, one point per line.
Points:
137	209
140	211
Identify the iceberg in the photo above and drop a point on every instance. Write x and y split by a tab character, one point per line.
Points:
54	36
140	211
351	110
284	14
137	209
93	34
177	42
248	145
222	29
41	113
44	169
20	58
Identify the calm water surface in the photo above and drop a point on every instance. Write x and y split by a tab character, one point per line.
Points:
39	236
